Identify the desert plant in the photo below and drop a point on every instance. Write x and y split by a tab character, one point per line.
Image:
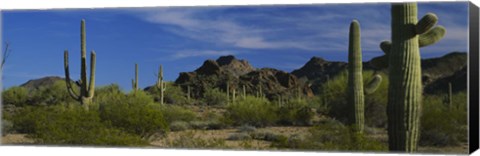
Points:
70	126
332	99
135	81
17	96
134	113
161	85
215	97
173	113
355	90
295	112
179	126
86	93
402	56
253	111
7	127
443	125
447	100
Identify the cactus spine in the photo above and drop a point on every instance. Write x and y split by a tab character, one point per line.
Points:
405	87
135	81
86	92
161	84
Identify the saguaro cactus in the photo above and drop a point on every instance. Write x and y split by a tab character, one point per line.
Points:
355	91
448	98
86	92
135	81
355	79
161	85
403	59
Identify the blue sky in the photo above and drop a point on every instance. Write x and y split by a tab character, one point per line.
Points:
181	38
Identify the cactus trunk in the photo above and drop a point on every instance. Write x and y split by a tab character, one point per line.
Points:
135	81
355	79
161	84
86	91
405	87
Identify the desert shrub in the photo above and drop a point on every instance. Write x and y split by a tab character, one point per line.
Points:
190	140
295	112
202	125
17	96
246	128
52	94
443	125
173	94
172	113
333	94
71	126
215	97
179	126
239	136
331	135
267	136
7	127
253	111
135	113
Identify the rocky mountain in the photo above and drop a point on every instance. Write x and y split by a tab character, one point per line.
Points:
317	71
238	73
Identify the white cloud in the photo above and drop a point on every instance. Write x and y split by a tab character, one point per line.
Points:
197	53
305	30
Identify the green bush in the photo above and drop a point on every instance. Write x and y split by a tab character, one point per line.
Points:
172	113
333	95
17	96
173	94
179	126
253	111
443	125
215	97
295	112
71	126
52	94
134	113
7	127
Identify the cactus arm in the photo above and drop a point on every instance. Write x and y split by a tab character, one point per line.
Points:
385	46
426	23
373	84
432	36
67	77
91	87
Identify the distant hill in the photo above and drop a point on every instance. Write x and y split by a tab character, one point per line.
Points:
45	81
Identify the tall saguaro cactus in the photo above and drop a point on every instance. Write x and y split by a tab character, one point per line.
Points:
355	79
355	90
161	84
402	56
86	92
135	81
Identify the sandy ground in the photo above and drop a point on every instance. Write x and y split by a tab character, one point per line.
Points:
16	139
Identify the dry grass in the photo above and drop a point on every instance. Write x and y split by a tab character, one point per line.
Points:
10	139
